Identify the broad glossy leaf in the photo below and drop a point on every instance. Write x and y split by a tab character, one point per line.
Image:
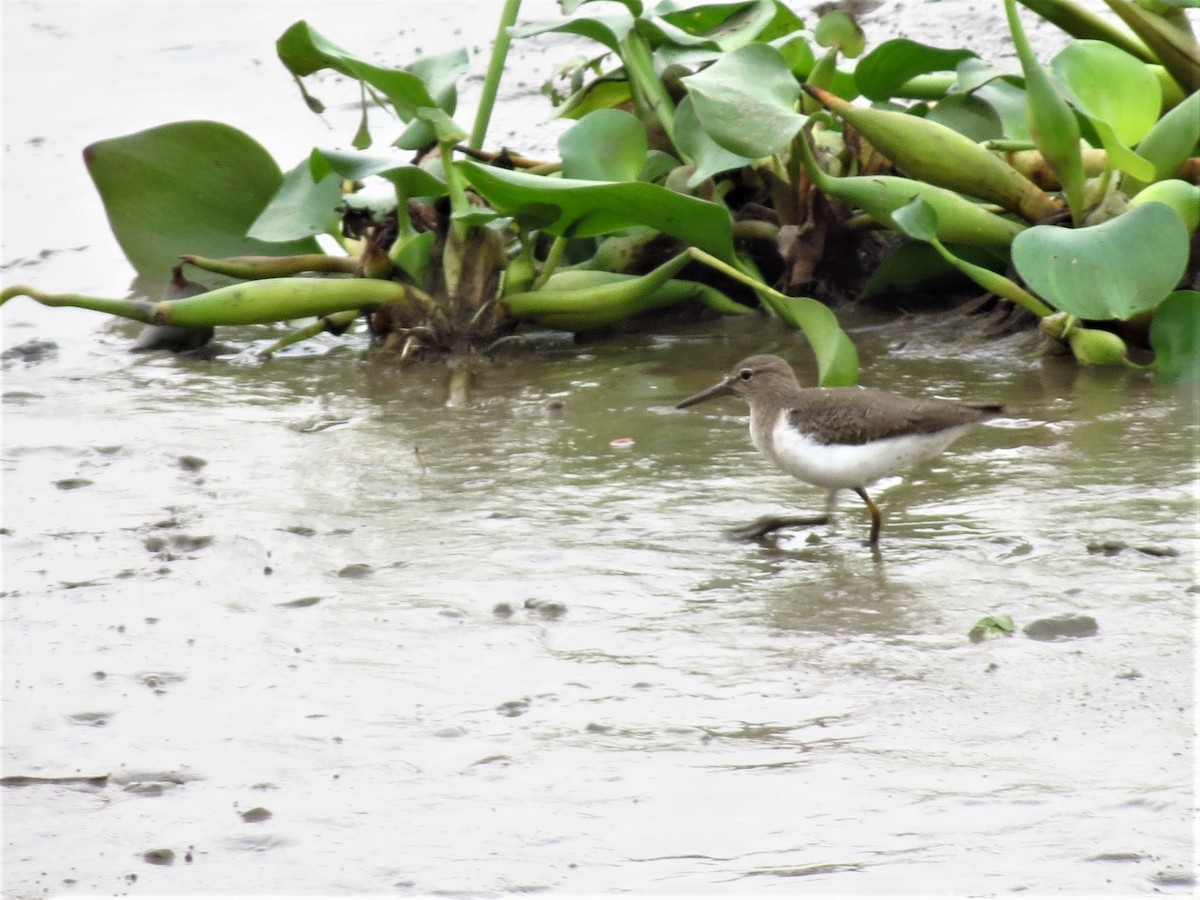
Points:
302	207
797	53
894	62
1107	84
708	157
1171	141
746	101
1176	193
588	208
608	30
1175	337
1111	271
726	26
605	145
187	187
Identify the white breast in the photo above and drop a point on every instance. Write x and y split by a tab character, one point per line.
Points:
848	465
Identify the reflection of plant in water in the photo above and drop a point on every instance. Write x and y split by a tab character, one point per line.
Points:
719	149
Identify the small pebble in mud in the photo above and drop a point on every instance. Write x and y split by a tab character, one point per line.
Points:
1112	548
502	611
513	708
192	463
1173	876
70	484
258	814
161	857
188	543
355	570
93	719
1062	628
546	609
300	603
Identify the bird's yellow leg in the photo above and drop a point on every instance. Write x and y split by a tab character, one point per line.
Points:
876	515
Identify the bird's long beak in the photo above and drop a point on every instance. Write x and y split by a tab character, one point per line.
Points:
720	389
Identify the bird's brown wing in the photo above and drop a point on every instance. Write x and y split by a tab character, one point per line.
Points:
860	415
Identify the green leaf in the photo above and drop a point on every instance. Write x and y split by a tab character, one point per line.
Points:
708	157
446	130
605	145
1171	141
1118	93
1008	101
589	208
608	30
1107	84
990	627
838	29
723	26
746	101
837	358
894	62
430	82
410	180
301	208
1175	337
187	187
968	115
1111	271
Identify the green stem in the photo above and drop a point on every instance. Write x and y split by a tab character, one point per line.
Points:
339	321
491	82
455	187
553	258
649	93
736	274
994	282
126	307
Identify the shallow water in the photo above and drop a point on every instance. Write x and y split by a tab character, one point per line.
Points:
483	650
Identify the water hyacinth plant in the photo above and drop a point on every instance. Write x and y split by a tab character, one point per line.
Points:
723	156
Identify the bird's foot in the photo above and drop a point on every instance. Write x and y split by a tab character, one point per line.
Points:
766	524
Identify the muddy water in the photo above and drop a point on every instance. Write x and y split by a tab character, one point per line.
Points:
325	635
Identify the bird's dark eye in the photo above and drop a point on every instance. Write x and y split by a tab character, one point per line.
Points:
746	374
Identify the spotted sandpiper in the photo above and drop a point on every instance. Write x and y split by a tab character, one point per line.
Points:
837	438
